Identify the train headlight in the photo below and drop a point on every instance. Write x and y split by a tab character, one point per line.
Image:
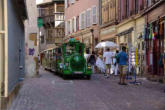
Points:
89	67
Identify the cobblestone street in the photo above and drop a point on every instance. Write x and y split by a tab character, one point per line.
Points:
50	92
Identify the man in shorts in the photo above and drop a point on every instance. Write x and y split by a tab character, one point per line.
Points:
107	56
122	61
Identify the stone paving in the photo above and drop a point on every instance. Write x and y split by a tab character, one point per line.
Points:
51	92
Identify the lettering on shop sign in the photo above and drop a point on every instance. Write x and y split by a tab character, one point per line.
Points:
31	51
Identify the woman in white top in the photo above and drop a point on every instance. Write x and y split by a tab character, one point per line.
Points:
108	56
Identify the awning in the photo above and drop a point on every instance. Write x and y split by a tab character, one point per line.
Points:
126	32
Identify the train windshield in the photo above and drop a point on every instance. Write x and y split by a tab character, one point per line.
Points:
70	49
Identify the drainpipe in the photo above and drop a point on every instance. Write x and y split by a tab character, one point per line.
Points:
92	31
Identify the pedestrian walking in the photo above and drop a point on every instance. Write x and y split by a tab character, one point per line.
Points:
122	61
92	61
100	64
38	60
107	56
87	54
116	63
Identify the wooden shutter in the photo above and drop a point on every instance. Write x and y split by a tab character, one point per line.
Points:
85	20
94	15
71	30
77	24
75	28
119	10
80	27
66	3
90	17
66	31
130	7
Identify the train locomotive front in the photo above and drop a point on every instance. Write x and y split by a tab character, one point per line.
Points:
74	62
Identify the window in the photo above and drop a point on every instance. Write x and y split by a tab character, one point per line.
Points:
73	25
72	1
66	3
71	30
77	23
149	3
88	18
136	6
68	27
127	8
60	8
82	20
94	15
50	38
42	39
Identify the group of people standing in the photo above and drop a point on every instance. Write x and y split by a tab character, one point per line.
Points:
104	63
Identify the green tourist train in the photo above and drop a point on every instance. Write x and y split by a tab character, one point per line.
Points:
67	59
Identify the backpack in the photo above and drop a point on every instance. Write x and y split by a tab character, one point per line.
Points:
117	58
92	59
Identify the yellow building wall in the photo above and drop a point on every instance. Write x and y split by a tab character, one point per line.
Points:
137	24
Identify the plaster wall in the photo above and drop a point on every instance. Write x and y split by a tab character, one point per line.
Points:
15	47
31	39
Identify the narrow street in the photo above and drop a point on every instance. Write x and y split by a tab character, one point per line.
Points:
51	92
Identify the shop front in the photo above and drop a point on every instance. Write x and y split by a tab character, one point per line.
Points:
131	35
108	34
155	38
125	33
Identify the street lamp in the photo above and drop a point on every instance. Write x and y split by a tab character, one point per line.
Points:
92	39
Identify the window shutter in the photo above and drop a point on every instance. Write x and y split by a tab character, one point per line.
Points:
75	28
94	15
73	1
68	27
66	3
80	27
88	18
66	31
71	30
77	23
82	20
85	20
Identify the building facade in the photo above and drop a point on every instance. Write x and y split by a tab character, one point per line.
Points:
52	32
122	22
108	20
82	21
11	47
154	37
130	30
31	40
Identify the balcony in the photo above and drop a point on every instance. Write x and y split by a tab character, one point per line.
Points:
59	18
48	19
54	20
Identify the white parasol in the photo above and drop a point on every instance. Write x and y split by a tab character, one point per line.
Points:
107	44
